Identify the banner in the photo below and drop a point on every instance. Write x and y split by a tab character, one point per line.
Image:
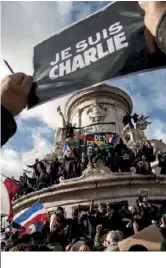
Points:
100	139
143	192
109	127
108	44
149	238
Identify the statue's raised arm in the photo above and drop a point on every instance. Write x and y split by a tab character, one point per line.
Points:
61	114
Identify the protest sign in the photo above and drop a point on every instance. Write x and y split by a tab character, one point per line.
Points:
149	237
108	44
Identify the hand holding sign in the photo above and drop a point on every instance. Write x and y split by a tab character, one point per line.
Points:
153	12
108	44
15	91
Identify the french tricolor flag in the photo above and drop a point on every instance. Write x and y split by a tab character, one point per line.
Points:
37	227
35	214
111	138
66	150
8	190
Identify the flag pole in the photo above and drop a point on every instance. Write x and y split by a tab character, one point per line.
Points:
8	66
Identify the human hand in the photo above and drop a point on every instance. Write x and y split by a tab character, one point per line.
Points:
99	228
15	90
128	225
135	227
153	12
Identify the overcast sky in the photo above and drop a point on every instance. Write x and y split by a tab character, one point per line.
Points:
25	24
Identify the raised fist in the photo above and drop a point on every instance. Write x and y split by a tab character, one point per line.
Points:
99	228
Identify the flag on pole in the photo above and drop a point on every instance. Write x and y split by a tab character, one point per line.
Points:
12	186
106	146
66	150
98	143
37	227
85	137
111	138
88	138
8	190
35	214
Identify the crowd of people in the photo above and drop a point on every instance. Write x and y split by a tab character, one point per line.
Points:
17	87
93	229
119	158
99	230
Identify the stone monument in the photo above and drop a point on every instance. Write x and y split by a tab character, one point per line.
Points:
98	111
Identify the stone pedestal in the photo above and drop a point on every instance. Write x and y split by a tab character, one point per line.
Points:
101	188
97	107
97	110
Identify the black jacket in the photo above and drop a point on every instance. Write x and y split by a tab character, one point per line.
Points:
161	33
8	125
38	168
163	232
86	223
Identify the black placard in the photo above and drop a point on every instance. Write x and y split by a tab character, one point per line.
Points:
108	44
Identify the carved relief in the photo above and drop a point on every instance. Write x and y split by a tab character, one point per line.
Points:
99	169
158	145
134	138
99	128
59	136
97	112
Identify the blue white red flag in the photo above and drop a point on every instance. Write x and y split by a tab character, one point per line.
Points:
66	150
8	190
37	227
111	138
35	214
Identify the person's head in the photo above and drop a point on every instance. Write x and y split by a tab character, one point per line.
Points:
145	199
163	220
36	160
103	240
84	248
125	207
101	208
132	209
60	211
113	238
68	247
108	207
147	143
137	248
143	158
145	205
74	214
76	246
